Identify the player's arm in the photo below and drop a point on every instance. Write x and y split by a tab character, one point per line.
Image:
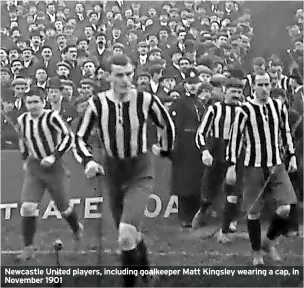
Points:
286	133
204	128
83	132
22	145
67	135
236	137
164	124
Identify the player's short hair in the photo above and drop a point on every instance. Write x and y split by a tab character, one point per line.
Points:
36	91
120	60
259	76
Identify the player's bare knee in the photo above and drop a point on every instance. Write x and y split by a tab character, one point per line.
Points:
127	236
29	209
253	216
283	211
232	199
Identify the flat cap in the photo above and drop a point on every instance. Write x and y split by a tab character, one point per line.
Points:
206	86
87	81
204	69
63	64
218	79
54	83
18	81
118	45
234	83
143	73
169	73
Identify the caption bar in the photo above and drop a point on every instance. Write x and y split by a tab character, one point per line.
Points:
85	276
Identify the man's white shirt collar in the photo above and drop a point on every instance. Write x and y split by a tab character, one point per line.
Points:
154	86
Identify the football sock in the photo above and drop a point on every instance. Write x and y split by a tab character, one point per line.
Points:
29	225
72	220
254	231
229	215
277	226
143	257
129	260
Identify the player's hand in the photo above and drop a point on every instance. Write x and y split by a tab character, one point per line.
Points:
48	161
231	175
292	166
207	158
24	166
156	149
92	169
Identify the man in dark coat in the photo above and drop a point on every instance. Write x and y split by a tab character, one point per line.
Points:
187	168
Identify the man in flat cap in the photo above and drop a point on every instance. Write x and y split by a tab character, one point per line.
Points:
87	87
19	85
187	168
142	49
63	70
57	102
143	81
213	149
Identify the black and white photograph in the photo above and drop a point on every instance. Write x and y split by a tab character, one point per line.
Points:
151	143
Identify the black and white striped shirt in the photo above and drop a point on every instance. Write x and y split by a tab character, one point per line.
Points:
44	136
263	127
216	123
123	125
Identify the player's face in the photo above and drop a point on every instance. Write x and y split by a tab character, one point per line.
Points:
121	77
234	95
34	104
262	87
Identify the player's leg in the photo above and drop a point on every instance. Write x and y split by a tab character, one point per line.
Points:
253	183
212	182
31	194
234	195
285	197
57	181
130	182
135	201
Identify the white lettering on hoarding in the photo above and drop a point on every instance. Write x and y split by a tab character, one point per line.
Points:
91	208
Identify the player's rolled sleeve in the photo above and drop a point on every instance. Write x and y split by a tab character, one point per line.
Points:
22	145
236	137
164	123
204	128
82	134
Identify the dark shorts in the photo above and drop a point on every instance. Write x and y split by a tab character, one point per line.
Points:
213	181
38	179
279	187
130	183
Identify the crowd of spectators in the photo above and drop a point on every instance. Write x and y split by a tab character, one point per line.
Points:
64	48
